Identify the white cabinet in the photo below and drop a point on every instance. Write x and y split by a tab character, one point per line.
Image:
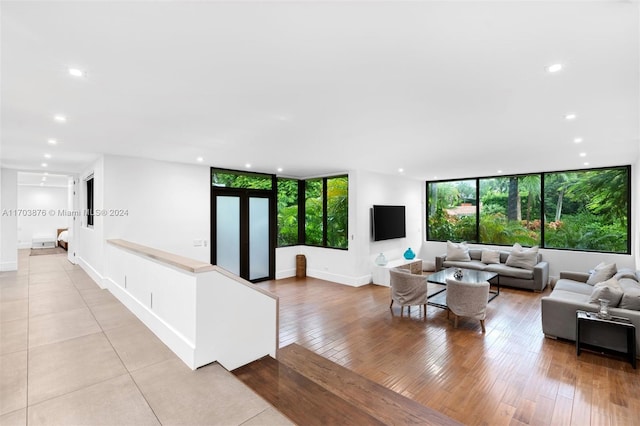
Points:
380	274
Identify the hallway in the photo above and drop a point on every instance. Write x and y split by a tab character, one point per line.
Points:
71	353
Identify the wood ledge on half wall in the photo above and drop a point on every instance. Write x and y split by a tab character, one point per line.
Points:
185	263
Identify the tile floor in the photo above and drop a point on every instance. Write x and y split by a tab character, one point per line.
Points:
70	353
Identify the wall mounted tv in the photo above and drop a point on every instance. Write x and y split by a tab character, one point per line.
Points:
388	222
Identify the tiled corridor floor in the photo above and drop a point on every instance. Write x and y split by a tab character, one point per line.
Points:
71	353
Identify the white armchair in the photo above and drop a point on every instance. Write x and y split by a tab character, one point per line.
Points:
466	299
408	289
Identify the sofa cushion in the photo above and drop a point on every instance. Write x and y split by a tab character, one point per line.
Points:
510	271
490	256
631	297
626	273
571	297
609	290
523	258
458	251
602	272
573	286
471	264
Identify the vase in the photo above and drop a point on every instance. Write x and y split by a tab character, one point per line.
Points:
381	260
604	309
409	254
458	274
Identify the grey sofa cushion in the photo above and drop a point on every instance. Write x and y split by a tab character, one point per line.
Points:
631	297
458	251
602	272
573	286
509	271
609	290
626	273
471	264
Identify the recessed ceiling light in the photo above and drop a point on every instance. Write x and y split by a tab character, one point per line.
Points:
47	156
199	159
76	72
60	118
280	169
400	170
583	154
52	141
44	164
46	173
499	171
44	178
586	163
248	166
554	68
577	140
571	116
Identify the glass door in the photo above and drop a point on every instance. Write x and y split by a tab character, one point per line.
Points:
243	233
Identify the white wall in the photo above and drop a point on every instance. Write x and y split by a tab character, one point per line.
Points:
8	220
167	204
46	199
90	241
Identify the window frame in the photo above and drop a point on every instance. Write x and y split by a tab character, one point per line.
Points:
542	206
90	191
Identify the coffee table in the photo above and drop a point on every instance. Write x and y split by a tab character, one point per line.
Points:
439	298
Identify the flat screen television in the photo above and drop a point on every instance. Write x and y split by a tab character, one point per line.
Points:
388	222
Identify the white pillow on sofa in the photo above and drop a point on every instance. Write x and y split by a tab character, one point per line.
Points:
602	272
490	256
609	290
458	251
522	258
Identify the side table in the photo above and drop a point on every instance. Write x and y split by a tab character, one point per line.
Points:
610	335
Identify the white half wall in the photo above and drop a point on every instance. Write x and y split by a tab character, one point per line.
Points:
8	220
41	198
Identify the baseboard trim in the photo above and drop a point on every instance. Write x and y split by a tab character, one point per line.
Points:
340	279
9	266
180	345
92	272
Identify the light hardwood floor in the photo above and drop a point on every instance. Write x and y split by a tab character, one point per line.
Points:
511	374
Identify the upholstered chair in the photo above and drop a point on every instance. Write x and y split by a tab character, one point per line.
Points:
408	289
466	299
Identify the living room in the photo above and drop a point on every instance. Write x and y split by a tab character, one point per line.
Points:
391	94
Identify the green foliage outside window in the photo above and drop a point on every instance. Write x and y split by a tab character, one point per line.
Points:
287	212
232	179
452	213
313	224
587	210
510	210
337	211
583	210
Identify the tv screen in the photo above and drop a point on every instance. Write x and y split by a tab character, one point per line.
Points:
388	222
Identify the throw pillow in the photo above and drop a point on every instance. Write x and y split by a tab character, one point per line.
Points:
609	290
631	300
522	258
602	272
490	256
626	273
458	251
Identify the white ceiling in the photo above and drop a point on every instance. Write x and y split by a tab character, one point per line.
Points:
446	89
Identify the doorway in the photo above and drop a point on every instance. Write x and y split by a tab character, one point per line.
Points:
243	230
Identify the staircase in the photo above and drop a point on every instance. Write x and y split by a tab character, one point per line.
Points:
311	390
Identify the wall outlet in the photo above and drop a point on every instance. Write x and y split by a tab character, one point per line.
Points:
197	243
